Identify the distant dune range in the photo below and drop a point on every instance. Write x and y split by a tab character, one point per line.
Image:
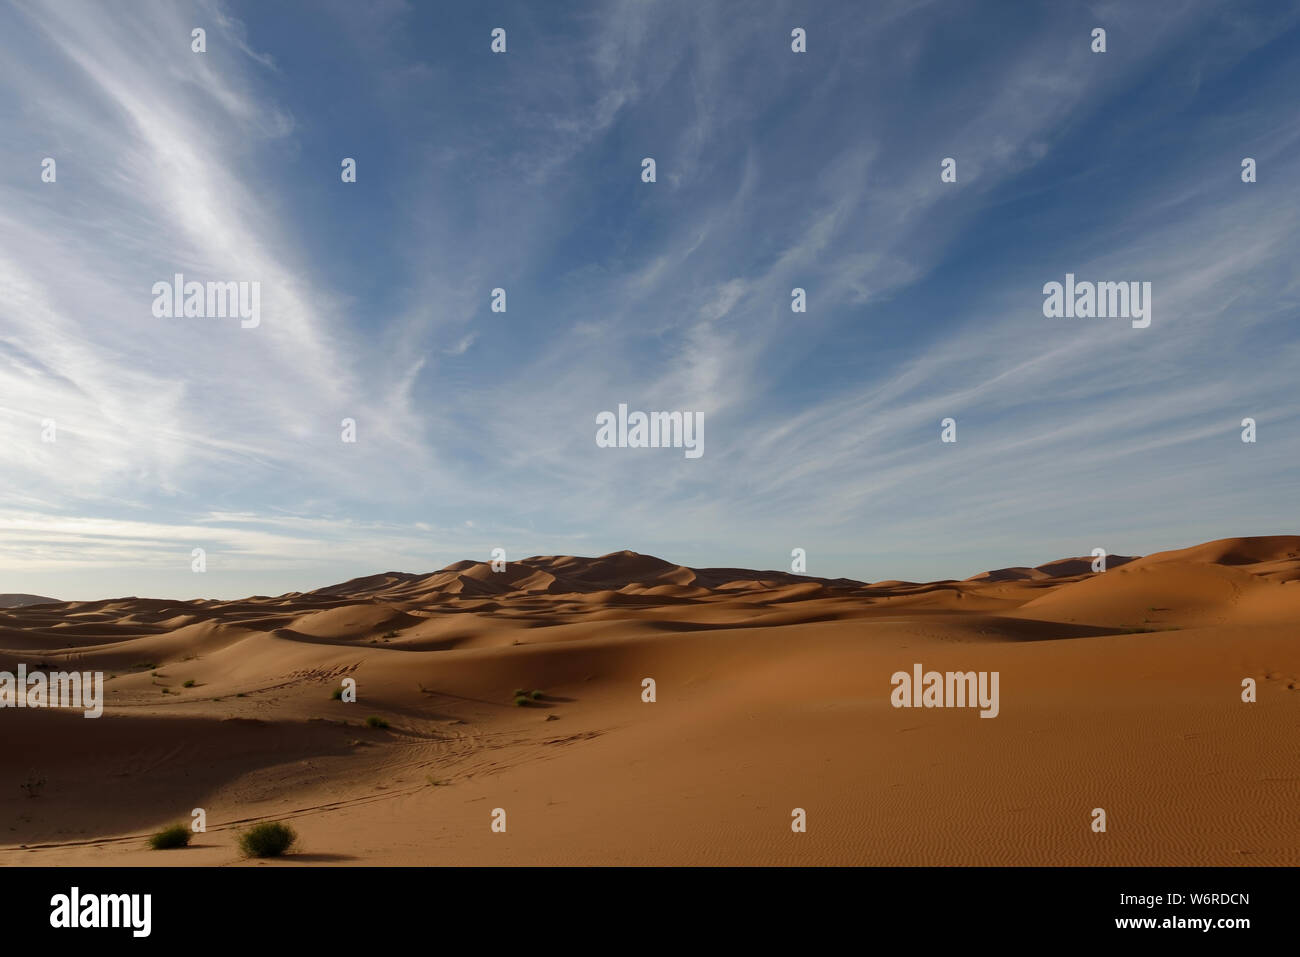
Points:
21	601
1119	690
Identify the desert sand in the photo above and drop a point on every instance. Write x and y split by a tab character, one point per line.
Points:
1120	690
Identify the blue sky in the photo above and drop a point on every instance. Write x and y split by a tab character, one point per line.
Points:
522	171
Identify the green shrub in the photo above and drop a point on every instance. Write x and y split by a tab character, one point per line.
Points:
268	839
374	721
521	700
188	683
337	695
177	835
534	694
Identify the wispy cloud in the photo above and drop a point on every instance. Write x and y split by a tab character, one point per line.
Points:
521	171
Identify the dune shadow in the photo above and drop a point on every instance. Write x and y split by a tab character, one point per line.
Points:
143	762
1032	629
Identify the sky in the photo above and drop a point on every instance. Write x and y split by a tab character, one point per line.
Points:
522	171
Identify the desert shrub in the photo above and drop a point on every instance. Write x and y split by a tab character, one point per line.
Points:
534	694
189	683
374	721
177	835
268	839
521	700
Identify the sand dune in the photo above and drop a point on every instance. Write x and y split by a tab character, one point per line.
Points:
1119	690
21	601
1061	568
1233	551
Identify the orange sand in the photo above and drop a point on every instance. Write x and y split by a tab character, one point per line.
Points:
1119	690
